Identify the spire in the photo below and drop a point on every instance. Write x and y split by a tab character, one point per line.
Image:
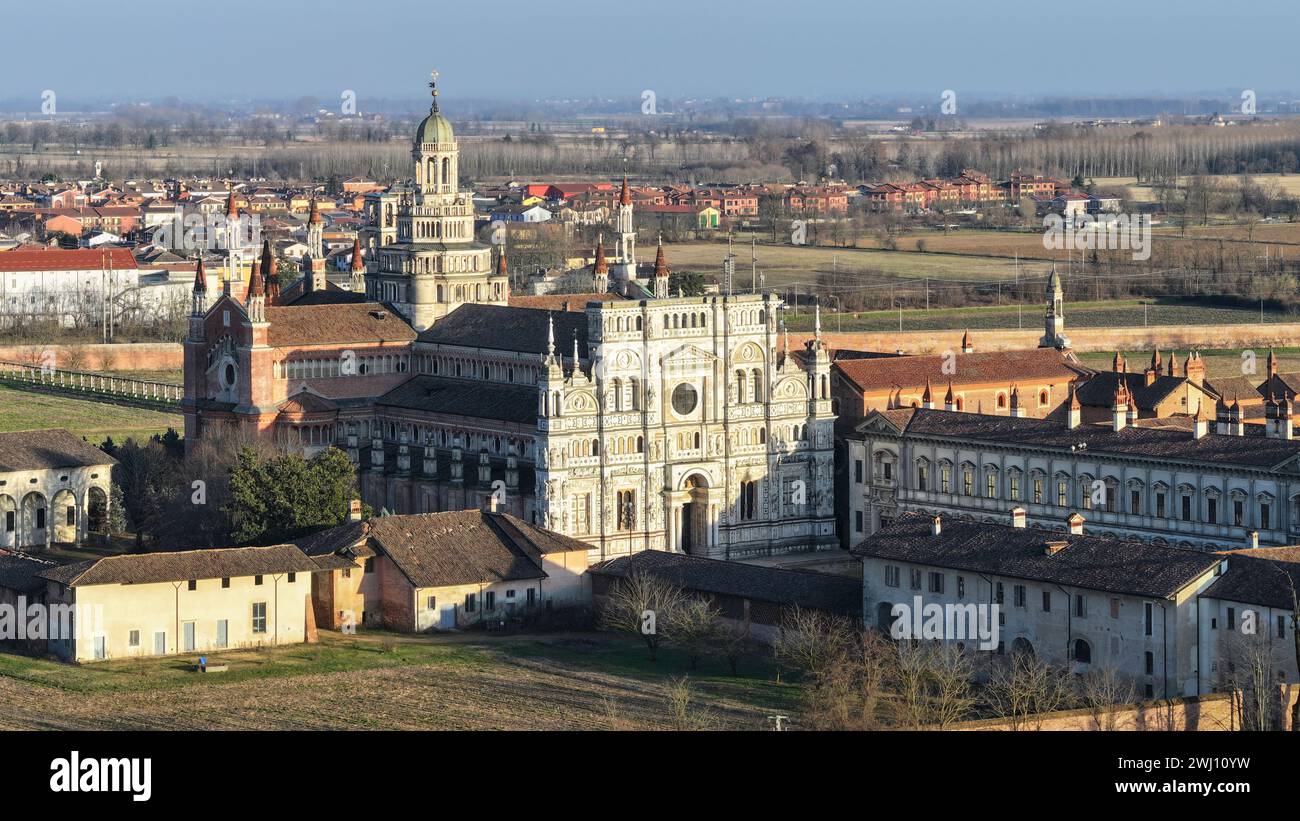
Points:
314	218
550	336
357	263
817	322
256	285
927	397
1118	365
1156	361
625	196
231	211
501	262
200	281
948	397
1074	399
1272	363
661	264
575	352
602	267
269	275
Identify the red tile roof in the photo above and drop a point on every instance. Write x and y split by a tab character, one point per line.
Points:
84	259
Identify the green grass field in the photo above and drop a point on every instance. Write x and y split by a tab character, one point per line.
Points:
25	410
1117	313
383	681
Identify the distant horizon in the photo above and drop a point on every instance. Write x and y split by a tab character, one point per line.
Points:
818	51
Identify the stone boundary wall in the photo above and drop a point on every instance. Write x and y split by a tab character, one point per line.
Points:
124	356
1216	712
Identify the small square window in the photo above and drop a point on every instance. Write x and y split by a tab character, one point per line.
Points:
293	577
257	580
225	582
133	638
192	584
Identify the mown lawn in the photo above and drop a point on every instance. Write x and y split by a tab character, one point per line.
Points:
26	410
1106	314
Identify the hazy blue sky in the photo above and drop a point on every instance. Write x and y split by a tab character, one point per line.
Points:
512	49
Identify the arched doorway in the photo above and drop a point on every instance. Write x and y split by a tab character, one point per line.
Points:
1021	646
64	517
97	511
8	522
33	526
694	520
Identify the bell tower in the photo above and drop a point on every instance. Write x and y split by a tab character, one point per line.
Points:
436	265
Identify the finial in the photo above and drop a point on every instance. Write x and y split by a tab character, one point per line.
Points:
433	89
550	335
817	320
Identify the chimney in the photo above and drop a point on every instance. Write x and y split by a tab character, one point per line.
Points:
1201	423
1194	369
1076	524
1252	538
1018	517
967	344
936	526
1017	409
1119	408
1054	547
354	510
1074	411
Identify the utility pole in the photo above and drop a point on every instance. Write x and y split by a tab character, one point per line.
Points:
753	264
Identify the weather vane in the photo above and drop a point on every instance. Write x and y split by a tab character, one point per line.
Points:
433	86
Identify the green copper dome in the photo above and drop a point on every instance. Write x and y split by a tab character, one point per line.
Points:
434	129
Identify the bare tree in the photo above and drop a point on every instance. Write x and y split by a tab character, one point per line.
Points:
638	604
1025	688
1102	690
933	683
683	710
693	625
811	640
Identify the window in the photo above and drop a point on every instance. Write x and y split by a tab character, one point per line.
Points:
891	575
967	481
291	578
257	580
922	477
1038	491
627	510
192	584
1000	596
1232	618
1187	508
1114	607
1018	593
1264	511
1148	618
1135	502
1014	487
1281	627
945	480
1080	606
370	564
1160	505
961	587
431	603
991	485
532	596
1212	510
1238	512
749	501
490	600
471	602
857	521
1062	493
225	582
936	582
133	638
915	578
857	471
1047	602
1150	663
347	574
259	616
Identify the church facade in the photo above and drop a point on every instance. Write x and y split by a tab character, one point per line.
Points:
641	421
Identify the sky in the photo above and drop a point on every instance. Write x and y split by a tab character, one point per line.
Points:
516	50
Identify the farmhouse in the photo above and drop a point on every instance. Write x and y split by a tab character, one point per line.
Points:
443	571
